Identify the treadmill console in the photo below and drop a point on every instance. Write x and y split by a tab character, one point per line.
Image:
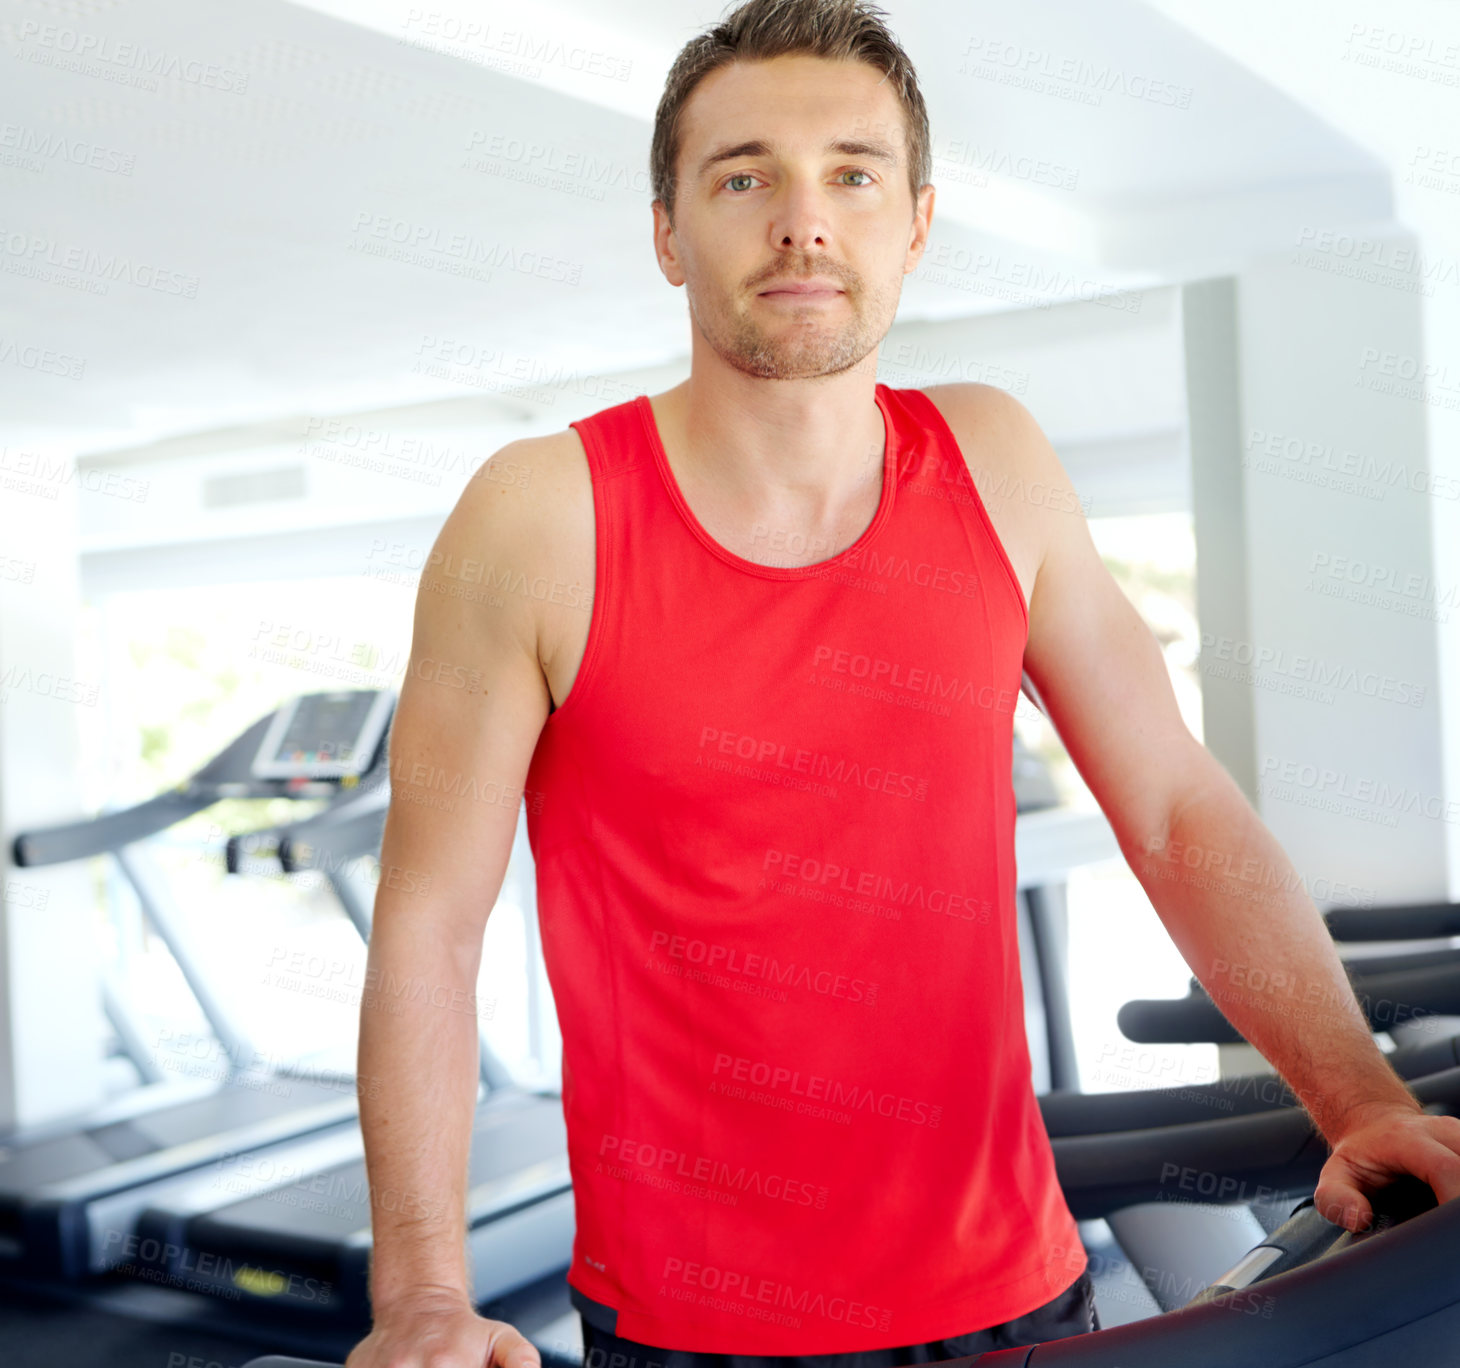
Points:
330	735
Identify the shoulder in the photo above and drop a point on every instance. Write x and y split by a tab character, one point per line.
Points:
988	417
532	464
529	511
1004	446
526	488
523	518
1024	488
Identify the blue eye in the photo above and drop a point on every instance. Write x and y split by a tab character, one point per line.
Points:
869	179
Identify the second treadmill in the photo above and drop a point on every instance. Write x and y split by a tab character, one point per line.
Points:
295	1232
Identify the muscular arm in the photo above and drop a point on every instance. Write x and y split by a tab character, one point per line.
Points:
471	708
1220	882
1236	908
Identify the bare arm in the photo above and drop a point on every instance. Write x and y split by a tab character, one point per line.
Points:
471	708
1236	908
1217	877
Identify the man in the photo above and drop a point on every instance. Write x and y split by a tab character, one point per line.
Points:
752	648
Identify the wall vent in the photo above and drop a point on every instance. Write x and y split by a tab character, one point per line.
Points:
253	486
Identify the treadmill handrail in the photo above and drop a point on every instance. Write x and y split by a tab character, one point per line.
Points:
1081	1113
1365	965
1265	1153
1387	999
349	834
1397	921
109	831
228	774
346	809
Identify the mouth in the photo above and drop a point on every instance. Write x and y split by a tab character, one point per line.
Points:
802	290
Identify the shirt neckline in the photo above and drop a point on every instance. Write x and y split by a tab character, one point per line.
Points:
781	572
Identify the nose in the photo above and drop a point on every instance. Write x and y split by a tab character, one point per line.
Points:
798	217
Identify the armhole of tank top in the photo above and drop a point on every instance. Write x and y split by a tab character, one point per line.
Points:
587	667
947	434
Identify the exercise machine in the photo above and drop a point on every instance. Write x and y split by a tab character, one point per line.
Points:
1400	994
1309	1295
295	1232
70	1192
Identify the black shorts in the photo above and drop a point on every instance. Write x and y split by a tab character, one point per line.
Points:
1071	1313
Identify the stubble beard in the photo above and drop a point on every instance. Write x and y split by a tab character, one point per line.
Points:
802	347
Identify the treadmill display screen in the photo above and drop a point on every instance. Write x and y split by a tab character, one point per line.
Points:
323	734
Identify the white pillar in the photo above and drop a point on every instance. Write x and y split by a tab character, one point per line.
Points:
50	1022
1442	415
1321	610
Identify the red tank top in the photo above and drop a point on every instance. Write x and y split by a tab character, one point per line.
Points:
774	831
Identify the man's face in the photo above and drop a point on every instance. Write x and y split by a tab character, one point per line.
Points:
789	206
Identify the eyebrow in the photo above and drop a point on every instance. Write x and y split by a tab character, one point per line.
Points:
758	147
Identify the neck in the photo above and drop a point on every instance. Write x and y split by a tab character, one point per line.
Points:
805	448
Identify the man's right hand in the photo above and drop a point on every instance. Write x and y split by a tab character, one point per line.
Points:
443	1332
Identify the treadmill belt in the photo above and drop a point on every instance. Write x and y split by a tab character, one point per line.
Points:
236	1105
123	1140
321	1208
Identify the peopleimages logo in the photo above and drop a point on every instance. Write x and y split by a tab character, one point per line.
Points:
817	1088
749	1294
917	574
662	1165
875	670
867	883
751	972
770	757
1319	671
1358	795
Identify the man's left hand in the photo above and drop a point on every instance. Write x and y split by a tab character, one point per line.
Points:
1378	1145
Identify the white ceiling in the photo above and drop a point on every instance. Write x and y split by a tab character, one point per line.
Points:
276	182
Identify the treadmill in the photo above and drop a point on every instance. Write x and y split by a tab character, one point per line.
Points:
1406	995
1308	1295
296	1233
70	1191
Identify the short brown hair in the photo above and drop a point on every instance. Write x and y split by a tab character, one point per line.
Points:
761	29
